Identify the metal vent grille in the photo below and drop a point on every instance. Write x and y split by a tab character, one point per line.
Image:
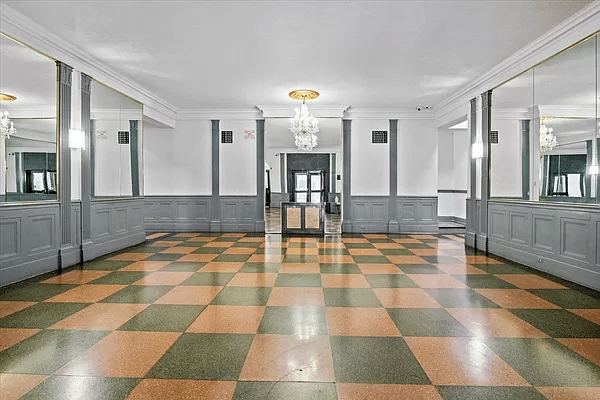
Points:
494	137
379	137
226	136
123	137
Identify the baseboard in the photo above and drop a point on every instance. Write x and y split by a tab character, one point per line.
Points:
470	239
20	272
118	243
69	255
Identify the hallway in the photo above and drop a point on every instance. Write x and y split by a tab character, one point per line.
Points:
222	316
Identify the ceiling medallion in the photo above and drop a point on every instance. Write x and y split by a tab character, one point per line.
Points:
304	126
7	97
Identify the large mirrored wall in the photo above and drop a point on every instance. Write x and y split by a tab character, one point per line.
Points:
116	126
546	125
28	151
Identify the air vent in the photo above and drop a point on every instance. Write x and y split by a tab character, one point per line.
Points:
494	137
379	137
226	136
123	137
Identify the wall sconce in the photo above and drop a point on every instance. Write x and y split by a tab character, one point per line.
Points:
76	139
477	150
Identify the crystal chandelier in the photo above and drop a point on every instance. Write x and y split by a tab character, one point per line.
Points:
304	126
547	139
6	126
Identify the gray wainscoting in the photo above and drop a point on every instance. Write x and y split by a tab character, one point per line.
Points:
418	214
369	214
193	213
116	224
177	213
563	240
473	227
29	241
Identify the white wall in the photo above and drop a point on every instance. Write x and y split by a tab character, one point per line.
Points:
237	161
505	173
112	161
370	162
461	171
446	172
417	158
178	161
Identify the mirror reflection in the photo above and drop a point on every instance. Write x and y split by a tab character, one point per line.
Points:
28	150
116	141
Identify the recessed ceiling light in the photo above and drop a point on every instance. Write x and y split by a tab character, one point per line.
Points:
7	97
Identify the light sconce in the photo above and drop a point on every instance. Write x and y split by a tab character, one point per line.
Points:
477	150
76	139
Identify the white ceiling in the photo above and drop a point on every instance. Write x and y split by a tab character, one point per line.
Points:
237	54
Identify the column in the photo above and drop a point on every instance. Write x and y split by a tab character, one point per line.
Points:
393	226
346	202
471	232
215	223
86	170
134	149
259	223
486	123
525	123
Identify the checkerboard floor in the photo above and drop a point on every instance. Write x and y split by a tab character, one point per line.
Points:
239	316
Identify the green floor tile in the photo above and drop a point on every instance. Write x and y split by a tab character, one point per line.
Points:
381	240
105	265
339	268
47	351
333	252
209	250
419	269
296	320
559	323
567	298
163	257
183	266
416	246
441	259
209	279
204	356
484	282
137	294
396	252
82	387
371	260
389	360
489	393
242	296
460	298
500	269
232	258
163	318
298	280
254	245
41	315
390	281
285	391
119	278
260	267
145	249
545	362
435	322
335	297
301	259
33	292
359	246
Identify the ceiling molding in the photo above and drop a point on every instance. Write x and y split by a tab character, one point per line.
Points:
401	114
572	30
240	114
278	111
28	32
45	112
512	113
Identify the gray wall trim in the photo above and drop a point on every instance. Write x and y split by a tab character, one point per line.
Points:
86	159
92	160
561	239
116	224
452	191
30	240
282	172
346	199
64	158
486	123
418	214
369	214
525	158
215	225
333	169
260	176
393	204
134	149
449	218
239	213
177	213
471	203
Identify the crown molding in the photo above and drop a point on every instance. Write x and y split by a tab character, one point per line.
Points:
239	114
572	30
389	113
511	113
30	33
279	111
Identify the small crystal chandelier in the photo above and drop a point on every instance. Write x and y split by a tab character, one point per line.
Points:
6	126
304	126
547	139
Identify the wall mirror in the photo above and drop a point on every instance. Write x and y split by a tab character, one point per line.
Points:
28	151
116	126
550	115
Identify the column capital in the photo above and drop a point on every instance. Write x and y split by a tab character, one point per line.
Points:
65	73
